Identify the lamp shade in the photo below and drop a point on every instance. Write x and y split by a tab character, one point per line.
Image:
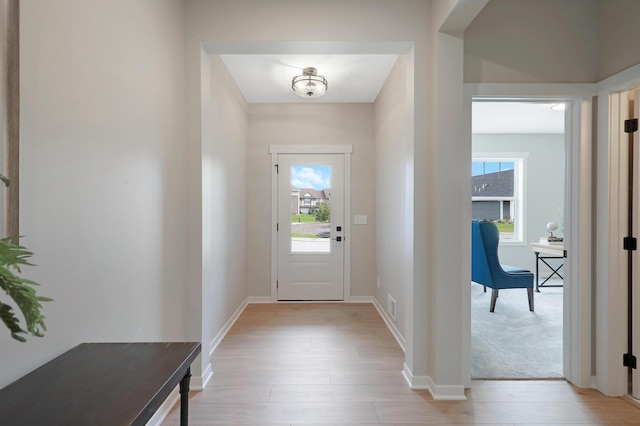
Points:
309	84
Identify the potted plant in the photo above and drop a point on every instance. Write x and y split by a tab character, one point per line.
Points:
21	290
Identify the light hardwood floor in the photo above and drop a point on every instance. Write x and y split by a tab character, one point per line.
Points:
295	364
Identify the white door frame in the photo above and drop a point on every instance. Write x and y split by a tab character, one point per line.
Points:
577	295
611	292
635	319
345	150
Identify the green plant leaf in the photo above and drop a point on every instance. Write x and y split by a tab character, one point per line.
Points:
11	321
21	290
4	180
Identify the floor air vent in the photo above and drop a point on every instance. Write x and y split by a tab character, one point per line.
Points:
391	306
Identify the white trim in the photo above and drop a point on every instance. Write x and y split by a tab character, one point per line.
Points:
361	299
225	329
611	378
577	315
163	411
308	47
347	227
628	79
631	400
408	376
392	327
577	320
528	92
259	299
198	383
438	392
499	156
274	224
445	392
310	149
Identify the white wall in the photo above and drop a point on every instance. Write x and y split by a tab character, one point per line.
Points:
105	162
617	27
532	41
544	188
224	200
311	124
393	148
102	171
568	41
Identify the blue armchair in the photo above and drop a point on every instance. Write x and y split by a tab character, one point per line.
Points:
486	268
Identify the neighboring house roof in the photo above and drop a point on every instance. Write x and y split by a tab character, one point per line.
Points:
314	193
498	184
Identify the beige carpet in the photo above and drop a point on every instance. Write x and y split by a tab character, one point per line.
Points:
512	342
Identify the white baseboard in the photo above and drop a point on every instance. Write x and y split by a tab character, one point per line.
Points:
392	327
162	412
361	299
259	299
225	329
446	392
438	392
631	400
408	375
199	382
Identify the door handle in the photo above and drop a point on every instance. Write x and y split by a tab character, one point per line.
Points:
337	239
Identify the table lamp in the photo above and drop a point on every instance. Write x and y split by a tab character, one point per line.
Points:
552	226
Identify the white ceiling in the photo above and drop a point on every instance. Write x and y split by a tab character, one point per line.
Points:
266	78
516	117
355	78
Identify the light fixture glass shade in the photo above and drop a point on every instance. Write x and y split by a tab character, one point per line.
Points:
309	84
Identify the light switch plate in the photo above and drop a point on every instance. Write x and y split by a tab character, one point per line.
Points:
360	219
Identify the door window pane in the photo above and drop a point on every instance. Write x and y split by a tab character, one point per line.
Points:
310	209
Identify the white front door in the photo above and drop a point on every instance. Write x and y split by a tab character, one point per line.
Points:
311	231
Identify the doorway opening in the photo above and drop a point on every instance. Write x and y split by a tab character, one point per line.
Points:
519	183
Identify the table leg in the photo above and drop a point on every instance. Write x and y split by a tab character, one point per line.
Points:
537	279
184	398
554	271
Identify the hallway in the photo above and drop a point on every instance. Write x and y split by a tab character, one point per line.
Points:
289	364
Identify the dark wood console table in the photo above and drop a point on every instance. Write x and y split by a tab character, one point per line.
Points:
101	384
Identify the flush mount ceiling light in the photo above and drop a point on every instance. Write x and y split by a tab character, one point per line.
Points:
309	84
